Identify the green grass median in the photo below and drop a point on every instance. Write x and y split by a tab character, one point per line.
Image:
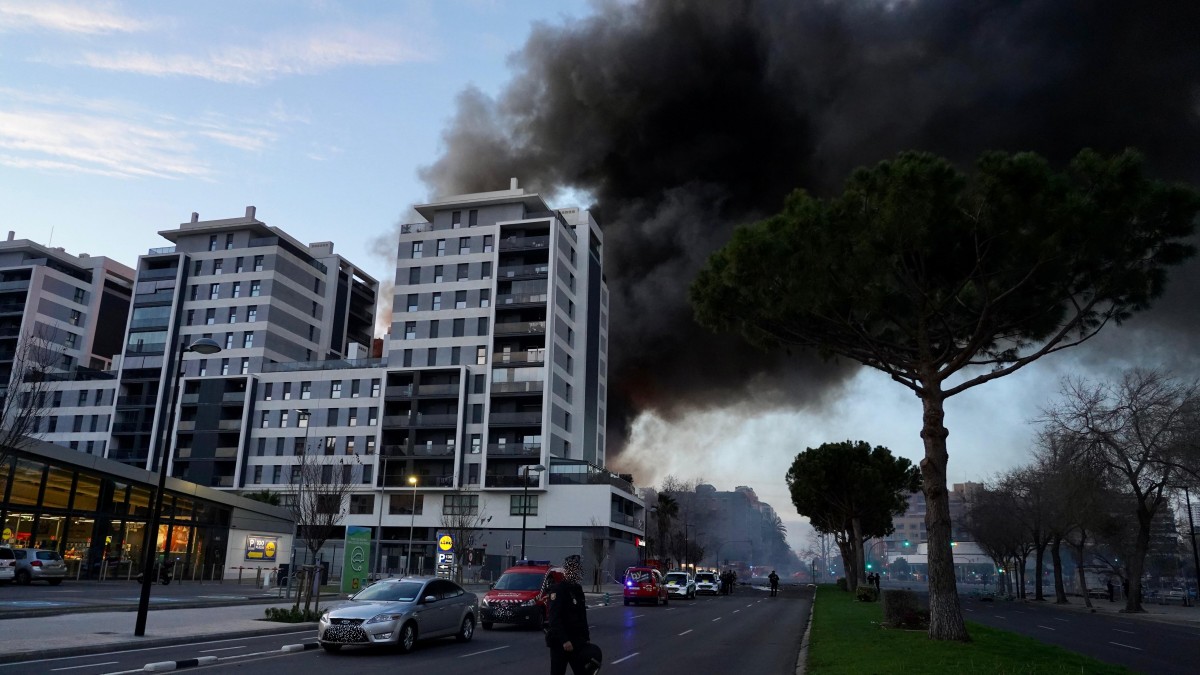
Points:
847	637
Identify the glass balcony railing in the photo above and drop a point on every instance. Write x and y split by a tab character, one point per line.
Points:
519	328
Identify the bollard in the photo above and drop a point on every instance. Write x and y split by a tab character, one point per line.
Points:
239	569
607	598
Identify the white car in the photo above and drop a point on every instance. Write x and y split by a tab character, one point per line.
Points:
680	584
8	565
707	582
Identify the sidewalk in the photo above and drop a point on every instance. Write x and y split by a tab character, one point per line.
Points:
1174	614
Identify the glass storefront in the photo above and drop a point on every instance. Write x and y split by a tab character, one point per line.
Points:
98	522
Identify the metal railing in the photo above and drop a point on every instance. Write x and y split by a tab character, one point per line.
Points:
521	299
334	364
492	480
514	449
161	250
514	271
515	243
519	327
530	387
441	450
525	418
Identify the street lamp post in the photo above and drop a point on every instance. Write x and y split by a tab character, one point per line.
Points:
150	540
412	480
302	415
525	501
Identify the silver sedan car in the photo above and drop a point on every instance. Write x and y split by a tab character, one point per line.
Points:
399	612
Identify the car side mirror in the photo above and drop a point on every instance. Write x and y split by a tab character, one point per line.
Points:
429	599
492	586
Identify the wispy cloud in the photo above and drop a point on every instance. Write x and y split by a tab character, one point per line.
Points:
278	57
86	18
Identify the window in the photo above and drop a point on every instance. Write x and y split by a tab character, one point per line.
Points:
571	308
229	341
203	367
487	270
354	388
433	328
210	316
407	362
459	505
459	326
570	336
331	417
473	218
228	241
372	416
437	301
224	366
305	390
252	313
79	295
464	245
572	256
455	356
571	281
360	504
456	219
371	445
75	316
374	393
412	302
404	505
460	299
368	474
247	340
462	272
438	274
481	328
233	315
476	444
237	289
82	397
238	266
353	421
485	297
477	413
71	340
245	369
287	391
283	418
515	503
330	445
410	330
481	356
335	390
487	243
441	247
194	292
255	289
269	388
480	384
217	265
196	268
414	276
431	358
350	443
258	263
567	421
212	242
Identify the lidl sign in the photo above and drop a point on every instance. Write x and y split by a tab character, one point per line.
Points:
260	548
445	542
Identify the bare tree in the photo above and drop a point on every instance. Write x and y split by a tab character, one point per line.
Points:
24	393
1138	428
318	493
461	523
598	549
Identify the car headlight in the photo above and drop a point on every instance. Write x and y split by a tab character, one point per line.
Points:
528	603
483	602
381	618
324	617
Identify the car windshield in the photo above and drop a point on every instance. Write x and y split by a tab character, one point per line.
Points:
705	578
391	591
638	576
519	581
677	579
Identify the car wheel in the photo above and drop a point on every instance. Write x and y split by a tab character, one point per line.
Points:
487	625
665	601
331	648
54	582
23	578
407	637
467	630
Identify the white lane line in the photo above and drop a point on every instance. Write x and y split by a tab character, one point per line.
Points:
752	604
1062	620
717	619
1126	646
683	633
736	611
1129	632
151	649
221	649
1046	627
494	649
275	652
87	665
625	658
968	609
637	616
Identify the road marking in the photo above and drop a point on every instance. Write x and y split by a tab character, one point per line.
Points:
1062	620
686	631
1126	646
1000	617
87	665
625	658
717	619
637	616
968	609
494	649
1124	631
242	656
736	611
1046	627
151	649
221	649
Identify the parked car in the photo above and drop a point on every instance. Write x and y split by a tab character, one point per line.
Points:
398	612
520	595
35	564
680	584
706	582
645	583
8	565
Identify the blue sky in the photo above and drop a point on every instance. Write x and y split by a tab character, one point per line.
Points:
119	119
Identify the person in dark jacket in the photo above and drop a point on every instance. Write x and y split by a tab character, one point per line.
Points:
774	579
567	629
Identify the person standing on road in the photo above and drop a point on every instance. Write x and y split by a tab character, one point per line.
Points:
774	579
877	589
567	629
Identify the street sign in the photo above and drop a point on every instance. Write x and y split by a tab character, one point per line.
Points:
446	542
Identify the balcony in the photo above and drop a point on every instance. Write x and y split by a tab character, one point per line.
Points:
534	387
520	328
419	450
137	401
161	250
626	520
149	323
229	425
168	273
442	390
233	397
332	364
516	272
130	427
19	285
515	243
514	449
511	481
516	418
401	481
403	391
525	358
420	420
521	299
592	477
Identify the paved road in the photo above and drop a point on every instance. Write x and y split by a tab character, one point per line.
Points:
709	634
1144	646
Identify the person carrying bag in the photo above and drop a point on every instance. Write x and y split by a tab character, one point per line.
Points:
567	633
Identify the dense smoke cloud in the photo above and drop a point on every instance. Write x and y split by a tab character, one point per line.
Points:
683	119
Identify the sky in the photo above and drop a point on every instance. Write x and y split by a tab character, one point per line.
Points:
675	121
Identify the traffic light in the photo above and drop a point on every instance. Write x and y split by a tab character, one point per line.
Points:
868	565
906	542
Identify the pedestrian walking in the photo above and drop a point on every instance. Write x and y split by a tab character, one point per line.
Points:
1111	591
876	582
567	633
774	579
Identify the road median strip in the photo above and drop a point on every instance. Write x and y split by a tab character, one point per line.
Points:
161	666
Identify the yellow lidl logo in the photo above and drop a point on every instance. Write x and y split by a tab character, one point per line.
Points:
446	542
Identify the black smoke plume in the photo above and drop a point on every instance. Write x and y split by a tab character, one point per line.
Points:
683	119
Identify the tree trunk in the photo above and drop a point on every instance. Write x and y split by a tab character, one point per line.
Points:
1039	559
945	613
860	562
1135	565
1060	589
1019	578
851	576
1083	589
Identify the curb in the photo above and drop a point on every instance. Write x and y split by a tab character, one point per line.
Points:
802	657
176	665
42	613
85	650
